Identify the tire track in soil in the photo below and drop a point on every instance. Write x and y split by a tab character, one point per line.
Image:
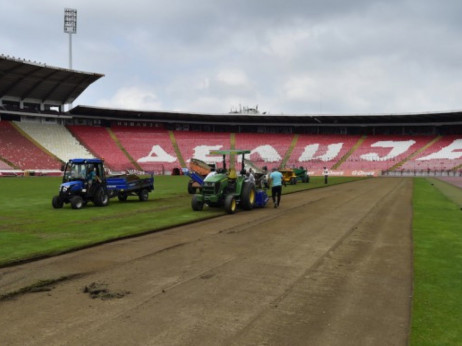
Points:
331	317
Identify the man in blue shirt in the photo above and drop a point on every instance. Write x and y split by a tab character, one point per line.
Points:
276	186
91	176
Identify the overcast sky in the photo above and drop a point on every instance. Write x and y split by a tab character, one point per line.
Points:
286	56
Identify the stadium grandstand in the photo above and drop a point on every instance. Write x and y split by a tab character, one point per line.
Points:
37	135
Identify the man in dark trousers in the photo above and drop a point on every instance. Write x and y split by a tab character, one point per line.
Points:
326	174
276	186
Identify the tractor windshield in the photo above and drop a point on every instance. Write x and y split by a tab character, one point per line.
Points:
74	171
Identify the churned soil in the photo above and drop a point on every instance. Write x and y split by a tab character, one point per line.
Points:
330	266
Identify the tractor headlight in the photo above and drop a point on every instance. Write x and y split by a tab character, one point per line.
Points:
64	189
208	184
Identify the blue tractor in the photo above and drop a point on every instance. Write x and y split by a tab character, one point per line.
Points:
84	180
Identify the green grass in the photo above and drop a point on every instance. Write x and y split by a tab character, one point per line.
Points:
31	228
437	301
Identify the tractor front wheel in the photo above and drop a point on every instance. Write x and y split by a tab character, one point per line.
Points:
76	202
196	204
57	202
230	204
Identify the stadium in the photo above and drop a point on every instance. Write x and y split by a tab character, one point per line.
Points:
336	264
34	96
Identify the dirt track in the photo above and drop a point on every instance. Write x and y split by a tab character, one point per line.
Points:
331	266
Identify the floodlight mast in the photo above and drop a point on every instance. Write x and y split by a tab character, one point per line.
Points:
70	27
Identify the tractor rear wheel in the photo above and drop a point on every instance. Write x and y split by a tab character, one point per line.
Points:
76	202
248	196
57	202
230	204
143	195
101	199
196	204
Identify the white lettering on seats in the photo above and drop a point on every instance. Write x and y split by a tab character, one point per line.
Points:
266	152
398	148
157	154
450	152
202	152
310	150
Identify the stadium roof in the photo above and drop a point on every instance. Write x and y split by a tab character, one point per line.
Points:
22	80
27	81
410	119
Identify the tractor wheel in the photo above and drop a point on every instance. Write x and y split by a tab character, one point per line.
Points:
143	195
57	202
196	204
248	196
76	202
293	181
122	196
230	204
191	189
101	199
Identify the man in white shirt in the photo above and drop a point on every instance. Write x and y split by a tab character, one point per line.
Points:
326	174
250	177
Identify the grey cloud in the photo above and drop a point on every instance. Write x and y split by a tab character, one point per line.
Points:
299	56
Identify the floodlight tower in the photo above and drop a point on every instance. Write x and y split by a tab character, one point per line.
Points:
70	27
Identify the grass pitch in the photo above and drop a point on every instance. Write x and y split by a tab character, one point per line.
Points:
437	232
30	228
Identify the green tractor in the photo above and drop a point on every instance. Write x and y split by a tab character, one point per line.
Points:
301	174
225	188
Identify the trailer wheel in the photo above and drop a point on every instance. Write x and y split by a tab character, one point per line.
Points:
191	189
196	204
101	199
143	195
248	196
57	202
76	202
230	204
122	196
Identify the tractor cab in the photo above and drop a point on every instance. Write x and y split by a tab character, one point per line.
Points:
81	170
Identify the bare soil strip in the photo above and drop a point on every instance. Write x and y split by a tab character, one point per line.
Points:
331	266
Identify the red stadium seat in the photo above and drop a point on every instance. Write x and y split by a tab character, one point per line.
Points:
21	152
100	143
150	147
